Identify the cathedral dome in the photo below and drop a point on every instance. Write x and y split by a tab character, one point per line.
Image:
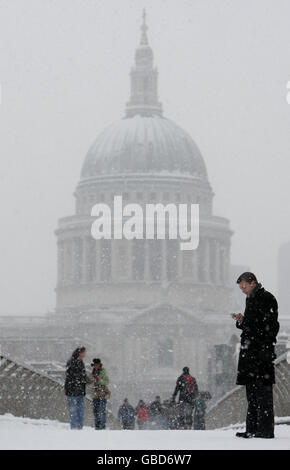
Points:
144	144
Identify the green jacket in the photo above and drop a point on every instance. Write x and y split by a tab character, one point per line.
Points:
100	384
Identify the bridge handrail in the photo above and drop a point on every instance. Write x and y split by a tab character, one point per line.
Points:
277	361
36	371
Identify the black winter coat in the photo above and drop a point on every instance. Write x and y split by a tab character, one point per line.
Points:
187	387
259	330
126	414
156	408
75	378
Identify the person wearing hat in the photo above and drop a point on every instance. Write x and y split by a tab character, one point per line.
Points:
256	370
101	393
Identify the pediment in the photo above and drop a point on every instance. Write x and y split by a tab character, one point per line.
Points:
165	314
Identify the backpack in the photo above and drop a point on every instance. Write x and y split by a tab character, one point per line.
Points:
188	388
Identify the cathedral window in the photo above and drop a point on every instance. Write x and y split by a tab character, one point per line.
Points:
105	259
187	265
201	253
171	259
138	259
78	259
222	264
212	260
68	261
165	353
145	89
155	259
91	259
61	261
122	259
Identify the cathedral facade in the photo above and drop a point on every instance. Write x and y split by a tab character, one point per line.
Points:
146	307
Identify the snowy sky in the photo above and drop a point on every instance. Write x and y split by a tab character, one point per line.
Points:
64	70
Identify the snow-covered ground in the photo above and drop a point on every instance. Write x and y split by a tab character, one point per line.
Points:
32	434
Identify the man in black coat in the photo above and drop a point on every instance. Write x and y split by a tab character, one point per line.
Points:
187	388
126	415
256	370
156	411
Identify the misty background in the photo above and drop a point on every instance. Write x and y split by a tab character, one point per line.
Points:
64	72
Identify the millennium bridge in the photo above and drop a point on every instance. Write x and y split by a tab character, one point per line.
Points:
25	392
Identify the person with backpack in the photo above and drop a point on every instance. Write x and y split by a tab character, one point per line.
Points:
101	393
75	387
126	415
187	388
142	415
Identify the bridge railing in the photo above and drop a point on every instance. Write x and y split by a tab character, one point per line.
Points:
28	393
231	408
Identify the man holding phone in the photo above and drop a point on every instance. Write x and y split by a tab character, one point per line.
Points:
260	326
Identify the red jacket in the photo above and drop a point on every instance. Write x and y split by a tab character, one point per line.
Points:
142	414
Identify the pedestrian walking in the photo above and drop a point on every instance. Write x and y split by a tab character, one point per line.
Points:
126	415
142	415
187	388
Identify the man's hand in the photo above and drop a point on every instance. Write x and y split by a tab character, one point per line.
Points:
239	317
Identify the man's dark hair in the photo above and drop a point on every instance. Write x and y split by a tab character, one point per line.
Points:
185	370
248	277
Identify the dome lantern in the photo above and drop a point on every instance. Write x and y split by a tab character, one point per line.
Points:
144	93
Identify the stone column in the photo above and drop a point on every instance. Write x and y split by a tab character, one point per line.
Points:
114	259
227	262
60	262
194	266
146	261
206	260
222	263
163	260
68	261
179	260
97	261
217	260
